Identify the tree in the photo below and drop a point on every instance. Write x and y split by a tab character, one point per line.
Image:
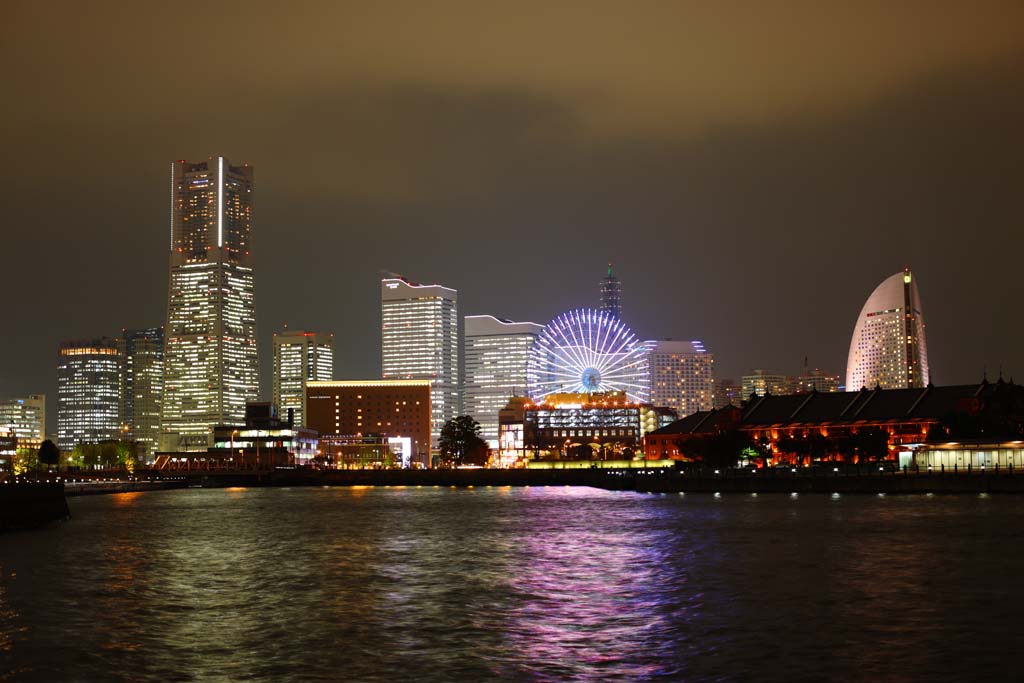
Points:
49	454
460	440
24	460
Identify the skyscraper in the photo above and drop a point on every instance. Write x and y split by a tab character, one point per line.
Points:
682	376
24	417
142	385
420	340
300	357
496	353
611	294
210	362
88	392
888	348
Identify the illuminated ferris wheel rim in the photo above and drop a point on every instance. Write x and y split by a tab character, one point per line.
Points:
587	351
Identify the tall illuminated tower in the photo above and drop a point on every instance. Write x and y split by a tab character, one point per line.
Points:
210	362
142	384
88	392
496	353
420	340
300	357
611	294
888	348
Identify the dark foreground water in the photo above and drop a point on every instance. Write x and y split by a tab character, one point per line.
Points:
514	584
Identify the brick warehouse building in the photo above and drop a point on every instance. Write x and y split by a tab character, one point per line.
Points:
803	428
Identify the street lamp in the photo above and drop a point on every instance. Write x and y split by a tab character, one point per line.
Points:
233	432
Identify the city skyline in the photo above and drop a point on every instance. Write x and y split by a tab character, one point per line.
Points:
756	204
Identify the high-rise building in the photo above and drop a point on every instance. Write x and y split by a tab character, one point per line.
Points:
300	357
611	294
682	376
496	353
210	362
728	393
760	382
888	348
88	392
24	417
420	340
142	385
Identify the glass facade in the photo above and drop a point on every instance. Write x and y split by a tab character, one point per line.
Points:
420	340
88	392
611	294
496	352
210	365
300	357
142	384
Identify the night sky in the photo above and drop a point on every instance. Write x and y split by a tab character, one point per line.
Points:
754	170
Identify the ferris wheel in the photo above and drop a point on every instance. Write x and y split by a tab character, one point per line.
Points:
588	351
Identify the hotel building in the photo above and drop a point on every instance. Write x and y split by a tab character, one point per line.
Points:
420	340
210	360
682	376
888	348
88	392
142	384
496	353
300	357
352	410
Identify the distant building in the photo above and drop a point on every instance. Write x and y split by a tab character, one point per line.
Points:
420	341
24	417
142	385
211	368
611	295
496	353
817	380
682	376
300	357
888	347
761	383
341	410
88	392
728	392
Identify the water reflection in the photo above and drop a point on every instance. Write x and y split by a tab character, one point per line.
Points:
515	584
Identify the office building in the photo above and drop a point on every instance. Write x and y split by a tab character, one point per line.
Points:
496	353
142	384
88	392
420	340
611	295
300	357
817	380
210	361
682	376
888	348
346	411
762	383
24	417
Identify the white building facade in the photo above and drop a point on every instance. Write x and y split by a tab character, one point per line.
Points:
300	357
496	352
420	340
888	347
682	376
